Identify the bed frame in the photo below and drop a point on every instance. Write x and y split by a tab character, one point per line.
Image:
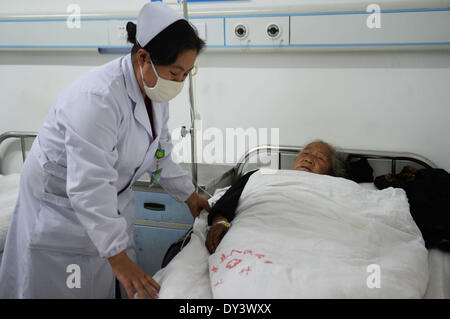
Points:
393	157
22	136
382	162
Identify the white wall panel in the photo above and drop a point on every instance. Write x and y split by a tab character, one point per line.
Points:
53	33
405	27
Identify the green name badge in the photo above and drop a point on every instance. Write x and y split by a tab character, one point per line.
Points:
159	153
156	175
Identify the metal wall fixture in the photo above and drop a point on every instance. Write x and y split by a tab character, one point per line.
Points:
241	31
273	30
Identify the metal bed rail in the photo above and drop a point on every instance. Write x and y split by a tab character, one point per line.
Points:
350	153
20	135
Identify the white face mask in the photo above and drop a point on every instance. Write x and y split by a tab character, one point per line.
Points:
164	90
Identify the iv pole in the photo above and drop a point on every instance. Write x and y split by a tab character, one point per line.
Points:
193	117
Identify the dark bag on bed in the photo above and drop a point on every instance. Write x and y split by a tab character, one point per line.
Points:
359	171
428	192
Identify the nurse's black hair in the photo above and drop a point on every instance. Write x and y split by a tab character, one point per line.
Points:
165	47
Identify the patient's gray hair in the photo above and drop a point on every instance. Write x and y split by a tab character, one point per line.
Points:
338	167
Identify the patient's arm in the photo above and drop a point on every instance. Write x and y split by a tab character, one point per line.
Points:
216	233
224	211
227	204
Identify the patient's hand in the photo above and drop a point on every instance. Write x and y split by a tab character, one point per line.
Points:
215	235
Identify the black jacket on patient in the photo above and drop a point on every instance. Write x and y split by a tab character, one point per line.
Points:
227	204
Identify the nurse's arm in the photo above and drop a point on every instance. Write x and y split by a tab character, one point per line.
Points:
197	203
178	184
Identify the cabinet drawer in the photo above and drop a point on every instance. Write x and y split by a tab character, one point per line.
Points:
152	244
161	207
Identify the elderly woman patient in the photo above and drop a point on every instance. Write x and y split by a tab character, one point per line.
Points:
317	157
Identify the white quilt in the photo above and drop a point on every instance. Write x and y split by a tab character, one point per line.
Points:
9	191
303	235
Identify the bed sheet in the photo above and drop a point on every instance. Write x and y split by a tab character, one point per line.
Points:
9	191
439	268
187	276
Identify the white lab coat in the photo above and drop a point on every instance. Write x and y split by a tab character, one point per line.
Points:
75	205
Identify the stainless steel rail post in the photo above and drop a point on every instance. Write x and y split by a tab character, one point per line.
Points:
22	136
193	112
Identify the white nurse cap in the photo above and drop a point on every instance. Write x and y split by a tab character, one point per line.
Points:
153	18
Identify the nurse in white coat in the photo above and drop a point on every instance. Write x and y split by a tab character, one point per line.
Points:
71	233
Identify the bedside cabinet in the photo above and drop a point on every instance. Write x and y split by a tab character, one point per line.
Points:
160	221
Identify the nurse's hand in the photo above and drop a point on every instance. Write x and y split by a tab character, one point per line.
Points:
132	277
196	203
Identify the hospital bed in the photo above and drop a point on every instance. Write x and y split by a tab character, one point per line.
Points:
192	273
187	274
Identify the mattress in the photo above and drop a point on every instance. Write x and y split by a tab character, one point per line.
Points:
188	274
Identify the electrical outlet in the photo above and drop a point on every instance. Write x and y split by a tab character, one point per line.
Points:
117	32
122	32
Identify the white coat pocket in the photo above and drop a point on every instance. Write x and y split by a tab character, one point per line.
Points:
57	228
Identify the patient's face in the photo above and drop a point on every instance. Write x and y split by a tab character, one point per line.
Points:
314	158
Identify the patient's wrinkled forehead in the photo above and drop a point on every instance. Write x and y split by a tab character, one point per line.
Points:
319	147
